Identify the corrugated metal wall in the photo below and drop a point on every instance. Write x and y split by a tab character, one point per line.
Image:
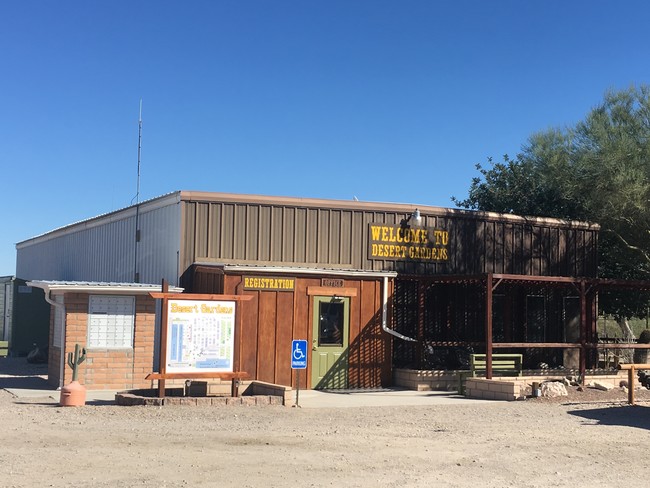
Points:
99	253
274	233
104	249
160	245
181	229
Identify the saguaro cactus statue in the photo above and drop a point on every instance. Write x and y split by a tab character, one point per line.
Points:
78	359
74	394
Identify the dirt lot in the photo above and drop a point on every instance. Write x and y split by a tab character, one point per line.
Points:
590	439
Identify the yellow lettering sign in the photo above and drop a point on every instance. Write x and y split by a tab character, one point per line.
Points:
416	243
176	308
269	283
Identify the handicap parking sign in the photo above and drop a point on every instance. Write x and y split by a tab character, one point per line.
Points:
299	354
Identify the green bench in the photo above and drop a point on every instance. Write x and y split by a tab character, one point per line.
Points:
4	349
504	364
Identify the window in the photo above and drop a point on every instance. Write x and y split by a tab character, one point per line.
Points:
110	321
330	327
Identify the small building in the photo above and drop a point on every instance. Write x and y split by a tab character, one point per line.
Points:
114	322
373	287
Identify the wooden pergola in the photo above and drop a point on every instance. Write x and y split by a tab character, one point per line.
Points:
585	288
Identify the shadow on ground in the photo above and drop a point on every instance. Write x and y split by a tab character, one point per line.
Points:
637	416
17	374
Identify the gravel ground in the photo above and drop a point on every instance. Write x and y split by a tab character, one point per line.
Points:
589	438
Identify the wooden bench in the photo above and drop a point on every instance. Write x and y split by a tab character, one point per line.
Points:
4	349
510	364
235	377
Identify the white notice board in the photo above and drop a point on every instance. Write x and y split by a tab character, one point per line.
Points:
200	336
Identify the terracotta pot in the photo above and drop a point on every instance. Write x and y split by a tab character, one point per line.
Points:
73	395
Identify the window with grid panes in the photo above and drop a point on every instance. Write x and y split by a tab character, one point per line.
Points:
110	321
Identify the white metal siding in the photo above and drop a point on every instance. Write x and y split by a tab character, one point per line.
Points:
160	242
105	250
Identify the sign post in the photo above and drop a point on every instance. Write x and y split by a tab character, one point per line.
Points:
298	361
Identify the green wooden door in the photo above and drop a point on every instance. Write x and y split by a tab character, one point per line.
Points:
329	358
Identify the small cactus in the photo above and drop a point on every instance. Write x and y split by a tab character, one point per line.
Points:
78	359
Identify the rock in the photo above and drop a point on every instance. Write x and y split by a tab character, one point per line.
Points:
602	386
572	380
623	384
553	389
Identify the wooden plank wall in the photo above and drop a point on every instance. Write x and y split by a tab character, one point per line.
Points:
272	319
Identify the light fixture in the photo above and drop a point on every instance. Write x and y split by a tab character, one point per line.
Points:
415	218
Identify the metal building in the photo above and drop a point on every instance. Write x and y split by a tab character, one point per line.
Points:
371	286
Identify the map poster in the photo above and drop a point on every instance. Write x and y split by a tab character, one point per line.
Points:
200	336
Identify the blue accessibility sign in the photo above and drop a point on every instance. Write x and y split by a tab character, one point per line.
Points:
299	354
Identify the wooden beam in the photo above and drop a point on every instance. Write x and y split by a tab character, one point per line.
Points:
531	345
583	332
634	366
200	296
162	368
541	345
631	369
488	326
331	291
197	375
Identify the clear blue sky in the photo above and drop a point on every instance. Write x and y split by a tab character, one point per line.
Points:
392	101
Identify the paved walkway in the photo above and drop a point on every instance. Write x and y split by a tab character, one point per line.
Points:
29	381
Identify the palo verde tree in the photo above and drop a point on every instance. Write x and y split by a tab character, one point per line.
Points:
596	171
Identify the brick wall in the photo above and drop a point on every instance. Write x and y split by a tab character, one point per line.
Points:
109	369
491	389
426	380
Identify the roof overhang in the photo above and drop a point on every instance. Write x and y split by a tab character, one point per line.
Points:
60	287
295	270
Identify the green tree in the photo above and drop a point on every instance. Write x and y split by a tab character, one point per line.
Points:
596	171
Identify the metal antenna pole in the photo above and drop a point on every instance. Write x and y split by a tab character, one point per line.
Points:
137	194
136	275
